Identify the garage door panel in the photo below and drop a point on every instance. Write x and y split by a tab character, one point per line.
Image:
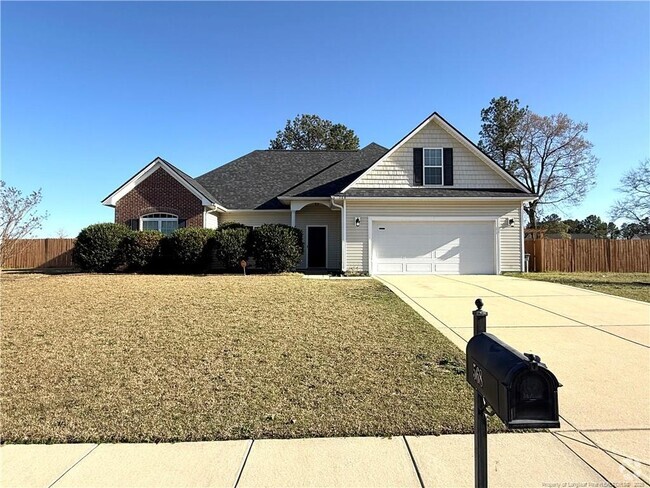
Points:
419	268
446	268
425	247
390	268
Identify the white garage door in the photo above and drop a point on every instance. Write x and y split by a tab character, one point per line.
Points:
441	247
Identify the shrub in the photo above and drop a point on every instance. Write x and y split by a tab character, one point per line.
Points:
97	247
232	225
186	249
276	247
231	244
140	251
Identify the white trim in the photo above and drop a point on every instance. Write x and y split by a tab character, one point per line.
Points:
458	136
327	253
443	199
521	237
147	171
293	218
344	241
497	240
442	167
232	210
297	199
343	232
157	219
297	206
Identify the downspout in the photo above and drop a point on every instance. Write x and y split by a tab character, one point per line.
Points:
343	234
522	265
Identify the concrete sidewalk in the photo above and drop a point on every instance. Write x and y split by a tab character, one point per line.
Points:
515	460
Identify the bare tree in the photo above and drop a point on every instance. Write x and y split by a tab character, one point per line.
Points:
635	186
553	159
18	217
61	233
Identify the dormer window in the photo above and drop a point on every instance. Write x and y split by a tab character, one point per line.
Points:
163	222
433	166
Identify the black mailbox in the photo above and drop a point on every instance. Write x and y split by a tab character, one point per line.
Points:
519	388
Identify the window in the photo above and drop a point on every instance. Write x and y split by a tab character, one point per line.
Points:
165	223
433	166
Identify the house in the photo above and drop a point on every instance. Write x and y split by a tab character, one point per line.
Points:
433	203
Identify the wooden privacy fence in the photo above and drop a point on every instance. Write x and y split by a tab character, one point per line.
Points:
597	255
41	253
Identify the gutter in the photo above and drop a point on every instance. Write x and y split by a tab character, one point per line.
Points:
447	199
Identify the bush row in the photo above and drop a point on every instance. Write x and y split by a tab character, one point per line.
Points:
113	247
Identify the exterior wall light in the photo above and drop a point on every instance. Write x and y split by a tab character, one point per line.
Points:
357	221
511	222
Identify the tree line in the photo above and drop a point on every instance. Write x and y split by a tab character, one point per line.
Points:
592	225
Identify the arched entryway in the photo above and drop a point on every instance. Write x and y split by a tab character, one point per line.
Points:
321	228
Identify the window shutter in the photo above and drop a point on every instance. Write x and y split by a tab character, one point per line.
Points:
134	224
448	162
182	223
417	166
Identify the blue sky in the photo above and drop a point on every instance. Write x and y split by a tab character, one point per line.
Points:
91	92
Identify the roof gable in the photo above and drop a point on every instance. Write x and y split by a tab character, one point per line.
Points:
337	176
184	179
394	168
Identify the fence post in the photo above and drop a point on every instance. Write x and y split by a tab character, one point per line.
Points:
573	255
609	255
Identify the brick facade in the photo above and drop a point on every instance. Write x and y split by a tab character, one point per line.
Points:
160	192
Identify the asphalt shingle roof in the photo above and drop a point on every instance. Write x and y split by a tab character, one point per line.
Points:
338	176
256	180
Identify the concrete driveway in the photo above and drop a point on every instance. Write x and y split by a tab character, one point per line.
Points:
597	345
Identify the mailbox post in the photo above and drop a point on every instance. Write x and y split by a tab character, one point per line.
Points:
517	387
480	420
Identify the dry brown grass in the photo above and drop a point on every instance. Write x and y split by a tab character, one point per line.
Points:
629	285
171	358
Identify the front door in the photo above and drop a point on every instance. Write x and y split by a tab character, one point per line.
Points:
316	246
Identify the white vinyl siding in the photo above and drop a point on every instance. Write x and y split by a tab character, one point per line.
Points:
396	171
316	214
357	237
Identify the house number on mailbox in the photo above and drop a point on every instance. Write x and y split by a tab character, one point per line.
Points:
477	374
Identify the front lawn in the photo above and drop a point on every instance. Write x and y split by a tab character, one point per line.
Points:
628	285
101	358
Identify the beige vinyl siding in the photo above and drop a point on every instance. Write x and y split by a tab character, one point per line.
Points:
396	171
357	237
257	218
316	214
